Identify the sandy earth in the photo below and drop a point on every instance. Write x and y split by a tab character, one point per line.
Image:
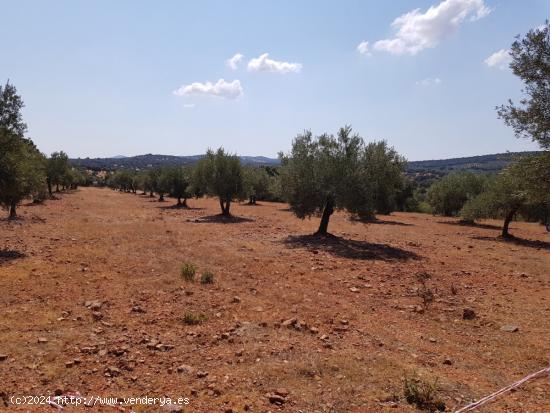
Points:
291	323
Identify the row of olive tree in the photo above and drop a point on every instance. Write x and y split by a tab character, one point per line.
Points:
217	174
24	171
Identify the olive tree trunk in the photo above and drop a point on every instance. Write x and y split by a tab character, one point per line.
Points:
327	212
224	205
507	220
13	212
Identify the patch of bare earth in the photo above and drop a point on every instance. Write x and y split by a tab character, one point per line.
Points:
92	301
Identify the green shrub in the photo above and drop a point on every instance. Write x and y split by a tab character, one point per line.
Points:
422	394
193	319
207	277
188	271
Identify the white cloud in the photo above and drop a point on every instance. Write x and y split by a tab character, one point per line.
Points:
363	48
222	89
500	59
189	105
265	64
234	61
429	81
417	31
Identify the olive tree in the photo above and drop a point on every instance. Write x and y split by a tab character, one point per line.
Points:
325	173
448	195
21	170
57	167
522	185
178	180
384	167
11	105
219	174
531	63
256	183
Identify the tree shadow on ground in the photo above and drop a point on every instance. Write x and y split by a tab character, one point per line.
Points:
530	243
384	222
222	219
470	224
348	248
10	255
182	208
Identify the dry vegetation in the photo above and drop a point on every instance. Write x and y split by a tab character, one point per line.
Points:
93	300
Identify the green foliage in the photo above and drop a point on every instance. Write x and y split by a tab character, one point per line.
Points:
21	170
422	394
448	195
256	183
326	172
207	277
11	105
531	63
220	174
57	170
522	185
176	181
188	271
193	319
384	167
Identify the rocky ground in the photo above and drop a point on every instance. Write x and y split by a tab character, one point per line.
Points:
93	302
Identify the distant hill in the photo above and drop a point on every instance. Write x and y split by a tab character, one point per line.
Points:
418	169
481	163
152	161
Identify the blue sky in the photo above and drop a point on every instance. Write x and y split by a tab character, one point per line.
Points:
102	78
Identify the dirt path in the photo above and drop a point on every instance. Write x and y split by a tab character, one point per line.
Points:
359	326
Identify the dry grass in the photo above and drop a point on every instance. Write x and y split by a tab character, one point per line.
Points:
359	290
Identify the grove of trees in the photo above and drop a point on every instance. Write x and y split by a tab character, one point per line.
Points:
24	171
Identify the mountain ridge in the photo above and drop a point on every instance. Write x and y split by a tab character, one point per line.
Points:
477	163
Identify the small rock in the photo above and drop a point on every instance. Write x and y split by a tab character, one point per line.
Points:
468	314
3	357
510	328
137	309
289	323
276	399
236	299
202	374
282	392
42	340
185	369
172	408
448	361
97	315
354	289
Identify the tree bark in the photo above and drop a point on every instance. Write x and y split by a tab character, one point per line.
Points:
13	212
161	198
49	182
56	187
507	220
327	212
225	204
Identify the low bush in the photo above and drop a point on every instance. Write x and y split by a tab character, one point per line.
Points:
188	271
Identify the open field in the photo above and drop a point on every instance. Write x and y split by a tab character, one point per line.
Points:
360	325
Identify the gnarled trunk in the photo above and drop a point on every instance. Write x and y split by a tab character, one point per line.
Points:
224	205
507	220
327	212
161	197
49	183
13	212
